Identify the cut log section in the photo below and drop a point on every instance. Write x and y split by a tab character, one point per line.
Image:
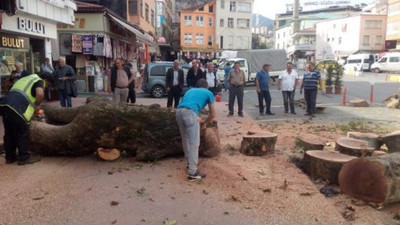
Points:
108	154
354	147
373	140
359	103
324	164
258	143
379	153
393	102
392	141
310	142
210	143
372	179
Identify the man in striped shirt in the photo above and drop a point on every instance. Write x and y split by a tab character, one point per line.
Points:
311	79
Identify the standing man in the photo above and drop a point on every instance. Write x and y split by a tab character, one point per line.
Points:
227	69
262	84
174	83
46	66
132	85
187	116
236	80
310	84
194	74
18	73
121	78
17	107
211	78
64	73
287	83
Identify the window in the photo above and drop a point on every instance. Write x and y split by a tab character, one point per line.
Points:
200	21
141	8
232	7
340	40
199	39
188	39
158	71
230	22
373	24
333	39
394	59
210	40
244	7
147	12
284	34
152	18
211	8
365	40
383	60
393	28
394	8
188	20
241	63
277	46
133	6
222	4
201	9
210	22
221	22
378	40
243	23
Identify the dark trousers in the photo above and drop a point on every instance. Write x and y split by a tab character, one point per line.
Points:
16	135
264	95
310	95
174	95
131	96
288	99
233	93
65	99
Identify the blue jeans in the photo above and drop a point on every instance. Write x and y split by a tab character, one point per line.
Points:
226	83
65	99
264	95
188	122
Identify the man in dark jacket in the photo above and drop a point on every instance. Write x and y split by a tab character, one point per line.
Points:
194	74
174	84
121	78
63	74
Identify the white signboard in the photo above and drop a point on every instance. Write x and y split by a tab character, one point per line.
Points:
316	3
58	3
29	25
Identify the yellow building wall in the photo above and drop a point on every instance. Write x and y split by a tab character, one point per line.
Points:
140	19
373	32
391	19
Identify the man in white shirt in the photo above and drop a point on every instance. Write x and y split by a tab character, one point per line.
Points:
211	78
287	83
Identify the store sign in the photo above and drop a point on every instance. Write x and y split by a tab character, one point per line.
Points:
14	42
31	26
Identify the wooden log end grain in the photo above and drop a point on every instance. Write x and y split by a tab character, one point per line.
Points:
108	154
392	141
353	147
258	143
359	103
309	142
374	140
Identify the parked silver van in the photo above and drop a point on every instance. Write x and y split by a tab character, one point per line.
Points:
390	62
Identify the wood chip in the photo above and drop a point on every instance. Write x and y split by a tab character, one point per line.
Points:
114	203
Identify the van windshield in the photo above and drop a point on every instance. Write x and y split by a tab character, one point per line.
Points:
383	60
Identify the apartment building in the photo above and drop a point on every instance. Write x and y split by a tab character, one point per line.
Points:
233	24
198	29
393	25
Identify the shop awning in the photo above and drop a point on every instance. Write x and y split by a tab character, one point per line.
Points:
139	36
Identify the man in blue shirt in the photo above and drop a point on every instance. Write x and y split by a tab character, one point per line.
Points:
187	116
262	83
227	69
310	83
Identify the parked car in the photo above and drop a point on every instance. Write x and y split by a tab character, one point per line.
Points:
390	62
359	62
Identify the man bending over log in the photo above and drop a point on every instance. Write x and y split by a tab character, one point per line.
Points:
187	116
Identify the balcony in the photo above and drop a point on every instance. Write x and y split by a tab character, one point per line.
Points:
301	47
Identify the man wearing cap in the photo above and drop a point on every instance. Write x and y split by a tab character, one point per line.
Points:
262	83
287	83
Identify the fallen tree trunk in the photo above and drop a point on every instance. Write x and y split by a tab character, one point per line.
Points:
372	179
358	103
374	140
258	143
353	147
149	132
324	164
392	141
309	142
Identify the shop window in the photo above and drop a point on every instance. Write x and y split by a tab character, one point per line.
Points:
230	22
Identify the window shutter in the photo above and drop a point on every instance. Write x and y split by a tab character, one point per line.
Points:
133	6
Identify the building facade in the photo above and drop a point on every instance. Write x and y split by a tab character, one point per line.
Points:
164	30
197	30
393	25
233	24
338	38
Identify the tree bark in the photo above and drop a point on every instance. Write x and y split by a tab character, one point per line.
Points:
258	143
392	141
372	179
353	147
374	140
324	164
359	103
309	142
149	132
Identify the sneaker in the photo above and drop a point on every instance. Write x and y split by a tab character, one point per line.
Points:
32	159
269	113
196	176
241	114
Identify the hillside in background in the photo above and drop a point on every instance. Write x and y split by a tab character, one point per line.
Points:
182	4
264	21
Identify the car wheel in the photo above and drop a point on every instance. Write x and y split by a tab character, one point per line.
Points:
157	91
377	70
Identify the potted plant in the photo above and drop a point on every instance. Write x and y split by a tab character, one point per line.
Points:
338	75
329	80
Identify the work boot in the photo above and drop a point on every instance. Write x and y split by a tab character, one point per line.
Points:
32	159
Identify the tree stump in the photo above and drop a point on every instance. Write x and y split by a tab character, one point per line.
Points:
149	132
372	179
353	147
359	103
309	142
108	154
324	164
373	140
392	141
379	153
258	143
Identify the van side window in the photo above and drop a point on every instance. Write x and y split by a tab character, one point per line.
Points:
158	71
394	59
383	60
